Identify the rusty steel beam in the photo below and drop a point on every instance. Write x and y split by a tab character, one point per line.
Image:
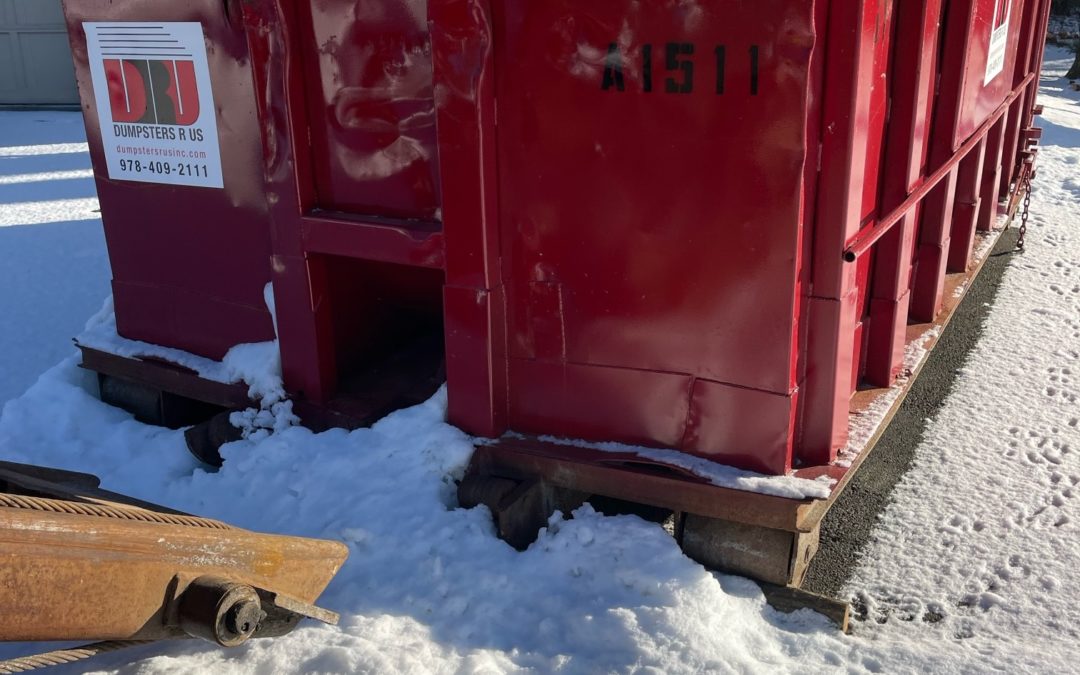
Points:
79	563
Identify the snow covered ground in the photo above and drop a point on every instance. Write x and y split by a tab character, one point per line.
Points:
974	568
54	270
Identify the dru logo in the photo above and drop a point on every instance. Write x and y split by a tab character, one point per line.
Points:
153	91
154	98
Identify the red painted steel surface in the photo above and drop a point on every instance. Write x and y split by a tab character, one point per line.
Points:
979	97
963	107
618	293
833	306
627	220
911	79
189	263
346	114
367	69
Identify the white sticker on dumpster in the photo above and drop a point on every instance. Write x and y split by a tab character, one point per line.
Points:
154	102
999	36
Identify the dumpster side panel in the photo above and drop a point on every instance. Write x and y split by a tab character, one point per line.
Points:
911	86
881	30
650	165
189	263
597	403
719	428
347	113
661	213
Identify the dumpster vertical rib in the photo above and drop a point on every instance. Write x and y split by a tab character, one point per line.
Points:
913	76
831	307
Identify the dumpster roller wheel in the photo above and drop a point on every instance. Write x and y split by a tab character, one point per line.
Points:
775	556
520	508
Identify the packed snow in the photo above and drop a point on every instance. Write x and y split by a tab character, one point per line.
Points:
255	364
973	567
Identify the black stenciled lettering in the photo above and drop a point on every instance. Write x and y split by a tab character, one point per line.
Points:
646	68
613	73
673	50
721	55
753	70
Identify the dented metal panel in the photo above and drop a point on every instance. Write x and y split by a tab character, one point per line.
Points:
368	87
629	135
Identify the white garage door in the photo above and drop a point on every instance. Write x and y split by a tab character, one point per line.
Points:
35	59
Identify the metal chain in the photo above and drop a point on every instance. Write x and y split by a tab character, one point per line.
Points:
61	656
1026	187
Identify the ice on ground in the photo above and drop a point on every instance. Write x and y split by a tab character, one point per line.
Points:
974	567
13	125
50	211
46	176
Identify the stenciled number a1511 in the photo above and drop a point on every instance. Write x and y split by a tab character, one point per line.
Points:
678	61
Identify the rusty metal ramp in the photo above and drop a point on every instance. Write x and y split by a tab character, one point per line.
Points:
81	563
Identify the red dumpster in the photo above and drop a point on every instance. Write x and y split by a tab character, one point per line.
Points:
691	239
171	120
671	225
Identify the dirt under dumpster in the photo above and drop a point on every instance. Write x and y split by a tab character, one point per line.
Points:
720	237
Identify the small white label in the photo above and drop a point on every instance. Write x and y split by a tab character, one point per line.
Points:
154	102
999	36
